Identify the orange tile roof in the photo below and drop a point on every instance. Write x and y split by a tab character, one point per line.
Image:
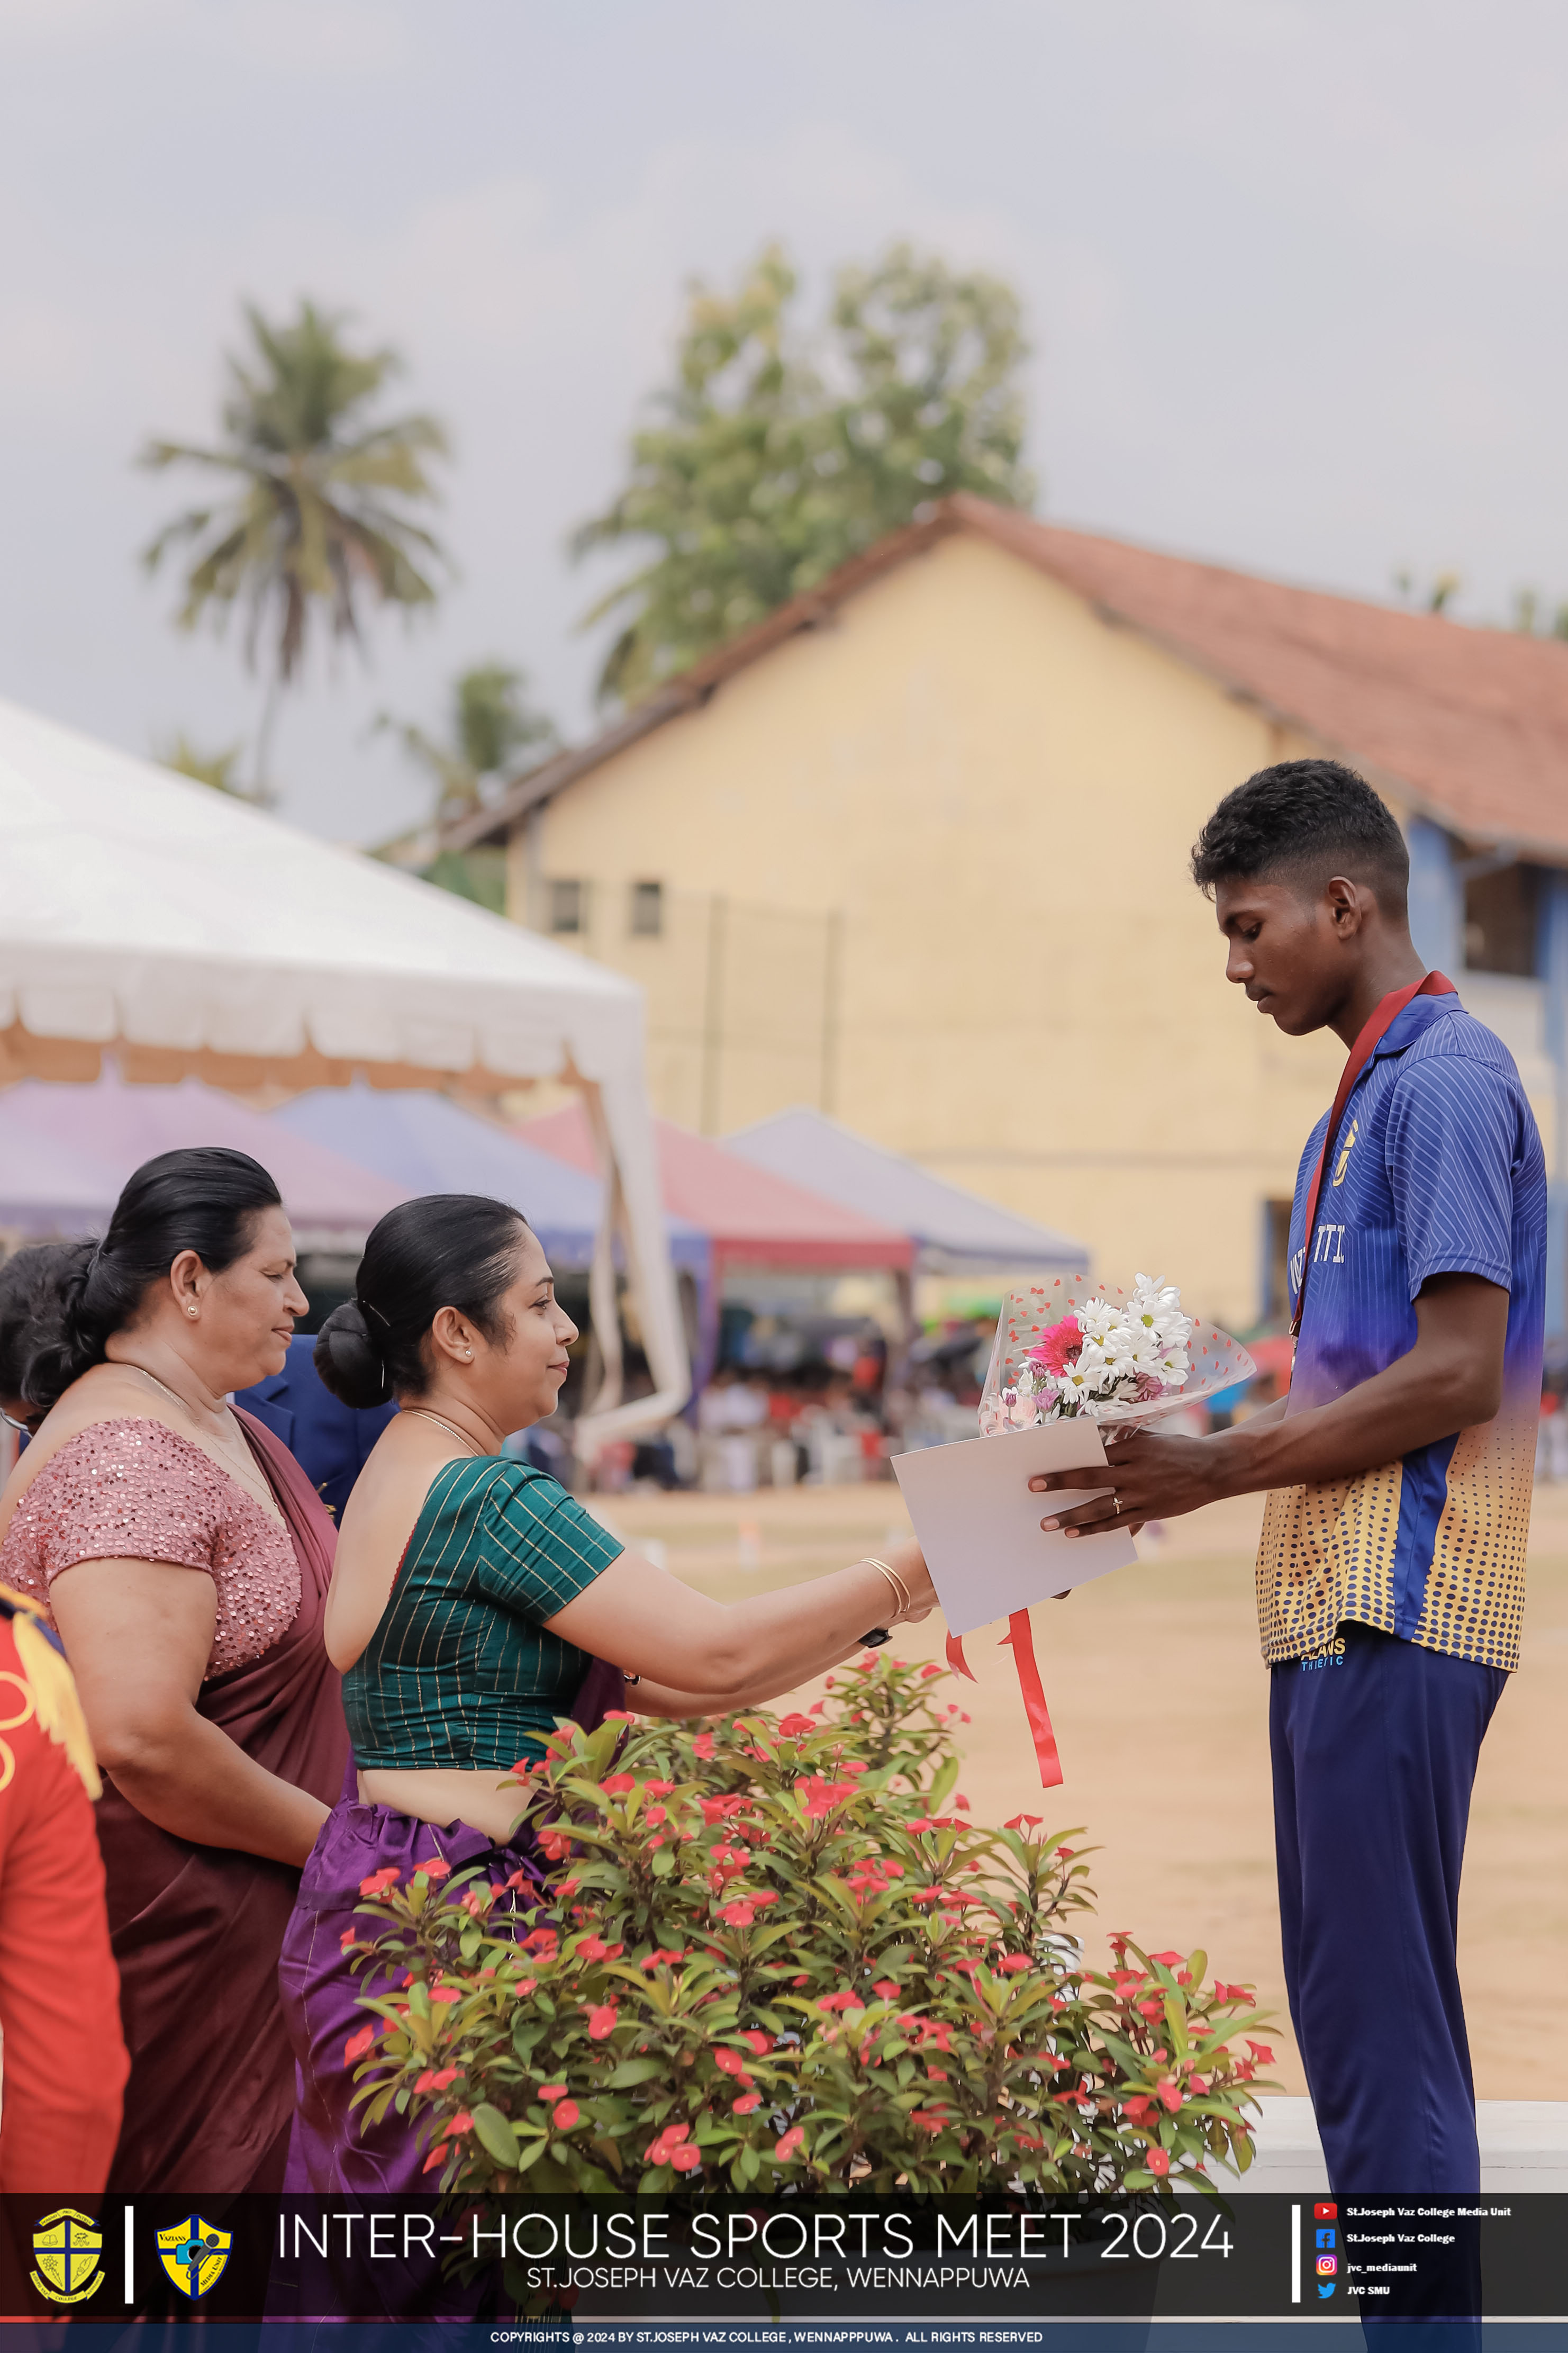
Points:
1473	723
1470	725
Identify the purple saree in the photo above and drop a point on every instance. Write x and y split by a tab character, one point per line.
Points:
332	2150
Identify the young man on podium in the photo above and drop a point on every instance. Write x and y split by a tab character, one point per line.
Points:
1399	1467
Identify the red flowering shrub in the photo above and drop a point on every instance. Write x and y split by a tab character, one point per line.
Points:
808	1973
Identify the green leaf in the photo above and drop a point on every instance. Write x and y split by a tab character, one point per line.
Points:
634	2071
496	2135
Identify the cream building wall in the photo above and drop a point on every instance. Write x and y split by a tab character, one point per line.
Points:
927	865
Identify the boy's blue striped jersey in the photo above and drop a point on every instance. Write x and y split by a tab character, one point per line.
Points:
1437	1169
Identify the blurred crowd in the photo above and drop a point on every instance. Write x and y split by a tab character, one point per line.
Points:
825	1401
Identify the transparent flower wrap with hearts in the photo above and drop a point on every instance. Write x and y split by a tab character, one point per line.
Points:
1114	1353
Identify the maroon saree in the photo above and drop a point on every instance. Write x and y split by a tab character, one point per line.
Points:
198	1930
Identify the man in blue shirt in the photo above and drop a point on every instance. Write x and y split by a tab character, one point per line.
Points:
331	1441
1390	1569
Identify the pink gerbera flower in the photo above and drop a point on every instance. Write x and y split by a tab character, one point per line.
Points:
1061	1345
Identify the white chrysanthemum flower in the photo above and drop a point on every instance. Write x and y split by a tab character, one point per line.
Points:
1075	1387
1096	1317
1156	1308
1153	1289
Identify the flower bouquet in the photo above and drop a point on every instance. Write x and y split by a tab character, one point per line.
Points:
1066	1352
1069	1350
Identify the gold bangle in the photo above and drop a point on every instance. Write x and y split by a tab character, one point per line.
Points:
899	1589
905	1598
888	1570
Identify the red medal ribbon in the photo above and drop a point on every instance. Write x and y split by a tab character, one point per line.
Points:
1376	1028
1020	1636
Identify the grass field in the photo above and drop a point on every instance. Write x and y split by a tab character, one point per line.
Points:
1160	1709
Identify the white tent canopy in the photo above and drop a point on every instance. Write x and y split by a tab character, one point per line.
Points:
192	934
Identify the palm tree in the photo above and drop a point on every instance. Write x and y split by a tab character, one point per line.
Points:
491	721
318	513
218	769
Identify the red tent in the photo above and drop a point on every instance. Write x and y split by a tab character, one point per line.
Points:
750	1217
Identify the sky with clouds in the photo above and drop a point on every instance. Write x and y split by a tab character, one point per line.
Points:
1293	272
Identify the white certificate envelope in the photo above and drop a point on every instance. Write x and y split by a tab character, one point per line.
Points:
979	1526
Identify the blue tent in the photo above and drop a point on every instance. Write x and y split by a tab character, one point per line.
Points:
954	1231
428	1144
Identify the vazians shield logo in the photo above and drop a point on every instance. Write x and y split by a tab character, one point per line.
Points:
67	2246
194	2253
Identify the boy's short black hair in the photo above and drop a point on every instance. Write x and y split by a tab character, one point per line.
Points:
1308	819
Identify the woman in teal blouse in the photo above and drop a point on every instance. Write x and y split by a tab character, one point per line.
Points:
475	1602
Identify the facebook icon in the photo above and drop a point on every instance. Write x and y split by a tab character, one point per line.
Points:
1325	2238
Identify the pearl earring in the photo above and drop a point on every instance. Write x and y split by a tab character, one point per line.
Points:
190	1311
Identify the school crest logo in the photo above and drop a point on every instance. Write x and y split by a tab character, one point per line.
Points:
68	2247
1343	1162
194	2253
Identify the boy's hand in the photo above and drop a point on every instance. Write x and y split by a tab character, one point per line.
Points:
1154	1479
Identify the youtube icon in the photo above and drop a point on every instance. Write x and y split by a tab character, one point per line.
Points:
1325	2211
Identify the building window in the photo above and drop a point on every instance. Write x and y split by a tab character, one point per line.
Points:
1500	911
568	907
648	910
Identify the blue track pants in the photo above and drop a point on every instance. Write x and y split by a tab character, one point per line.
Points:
1374	1757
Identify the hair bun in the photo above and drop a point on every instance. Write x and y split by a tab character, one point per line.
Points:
348	1360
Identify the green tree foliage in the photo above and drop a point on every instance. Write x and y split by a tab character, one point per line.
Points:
218	769
1531	618
1445	587
319	517
773	457
490	723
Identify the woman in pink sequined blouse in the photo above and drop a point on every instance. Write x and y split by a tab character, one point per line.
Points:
183	1559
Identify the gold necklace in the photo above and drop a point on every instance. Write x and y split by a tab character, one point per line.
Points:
184	1403
241	1468
421	1414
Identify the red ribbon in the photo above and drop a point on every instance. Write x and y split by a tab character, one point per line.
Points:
1374	1032
1020	1637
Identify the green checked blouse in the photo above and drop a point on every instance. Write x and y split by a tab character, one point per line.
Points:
460	1671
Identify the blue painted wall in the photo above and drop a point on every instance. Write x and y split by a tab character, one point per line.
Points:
1437	926
1437	899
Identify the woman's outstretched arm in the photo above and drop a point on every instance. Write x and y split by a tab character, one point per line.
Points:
718	1654
660	1698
